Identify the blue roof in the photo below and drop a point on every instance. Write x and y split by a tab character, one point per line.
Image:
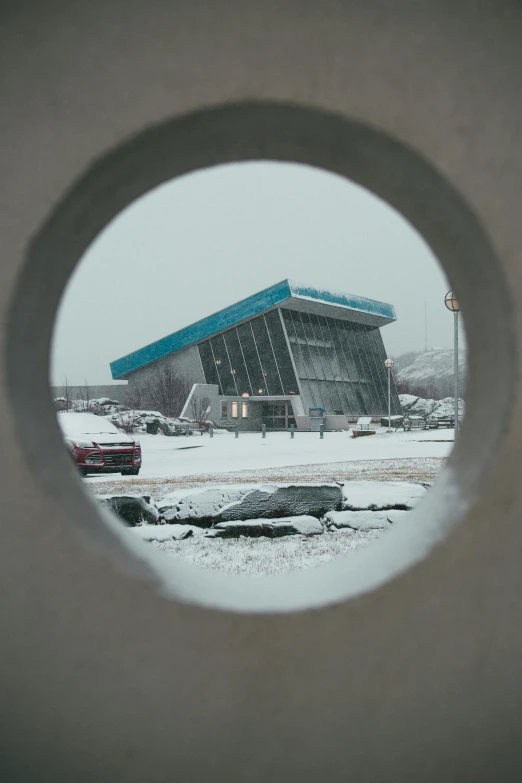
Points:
246	308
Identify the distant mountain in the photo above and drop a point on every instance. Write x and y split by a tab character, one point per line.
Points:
429	374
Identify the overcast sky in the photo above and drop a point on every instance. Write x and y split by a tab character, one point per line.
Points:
206	240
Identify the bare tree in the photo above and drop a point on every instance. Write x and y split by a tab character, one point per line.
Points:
67	396
162	391
134	397
200	408
84	397
126	421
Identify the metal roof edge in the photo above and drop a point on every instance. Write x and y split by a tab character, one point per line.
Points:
228	316
240	311
351	302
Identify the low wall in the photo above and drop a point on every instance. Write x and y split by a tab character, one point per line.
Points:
331	423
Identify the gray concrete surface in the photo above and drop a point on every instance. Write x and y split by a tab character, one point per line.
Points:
114	669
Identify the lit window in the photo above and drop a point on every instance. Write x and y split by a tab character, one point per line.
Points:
234	409
224	409
244	410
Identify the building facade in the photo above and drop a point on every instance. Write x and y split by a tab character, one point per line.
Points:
289	355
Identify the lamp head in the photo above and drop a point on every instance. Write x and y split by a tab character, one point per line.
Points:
451	302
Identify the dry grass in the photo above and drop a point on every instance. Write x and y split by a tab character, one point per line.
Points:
265	556
422	469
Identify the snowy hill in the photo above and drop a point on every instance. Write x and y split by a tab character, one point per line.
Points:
428	373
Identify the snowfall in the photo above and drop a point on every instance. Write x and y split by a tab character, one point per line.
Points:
196	493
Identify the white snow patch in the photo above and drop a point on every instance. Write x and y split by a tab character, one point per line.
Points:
363	520
165	532
381	494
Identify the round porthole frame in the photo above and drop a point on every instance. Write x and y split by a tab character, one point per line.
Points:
277	132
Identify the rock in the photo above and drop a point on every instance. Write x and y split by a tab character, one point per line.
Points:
132	509
357	520
200	506
273	528
438	409
362	520
381	495
236	503
416	405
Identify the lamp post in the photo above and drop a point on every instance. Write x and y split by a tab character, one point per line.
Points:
452	303
389	364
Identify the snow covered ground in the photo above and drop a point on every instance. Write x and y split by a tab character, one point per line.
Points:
169	463
264	556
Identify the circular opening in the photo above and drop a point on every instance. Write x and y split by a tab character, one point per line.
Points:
313	487
236	133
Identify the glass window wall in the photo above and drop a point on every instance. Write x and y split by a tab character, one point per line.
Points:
250	359
280	349
340	364
266	354
239	366
224	368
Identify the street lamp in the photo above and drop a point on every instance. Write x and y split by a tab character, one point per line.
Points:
389	364
452	303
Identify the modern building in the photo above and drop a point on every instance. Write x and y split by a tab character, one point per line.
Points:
290	354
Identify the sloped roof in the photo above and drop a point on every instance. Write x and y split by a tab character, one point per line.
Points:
287	294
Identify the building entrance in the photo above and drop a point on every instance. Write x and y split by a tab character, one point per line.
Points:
277	415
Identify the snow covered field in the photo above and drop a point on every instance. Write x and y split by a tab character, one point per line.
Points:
173	464
169	463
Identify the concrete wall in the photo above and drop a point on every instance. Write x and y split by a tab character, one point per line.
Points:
200	391
399	664
185	363
332	423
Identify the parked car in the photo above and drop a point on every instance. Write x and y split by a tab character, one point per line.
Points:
97	446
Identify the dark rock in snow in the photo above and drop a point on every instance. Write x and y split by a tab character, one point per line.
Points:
273	528
292	500
243	502
133	509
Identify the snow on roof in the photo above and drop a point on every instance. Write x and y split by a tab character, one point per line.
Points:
287	293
